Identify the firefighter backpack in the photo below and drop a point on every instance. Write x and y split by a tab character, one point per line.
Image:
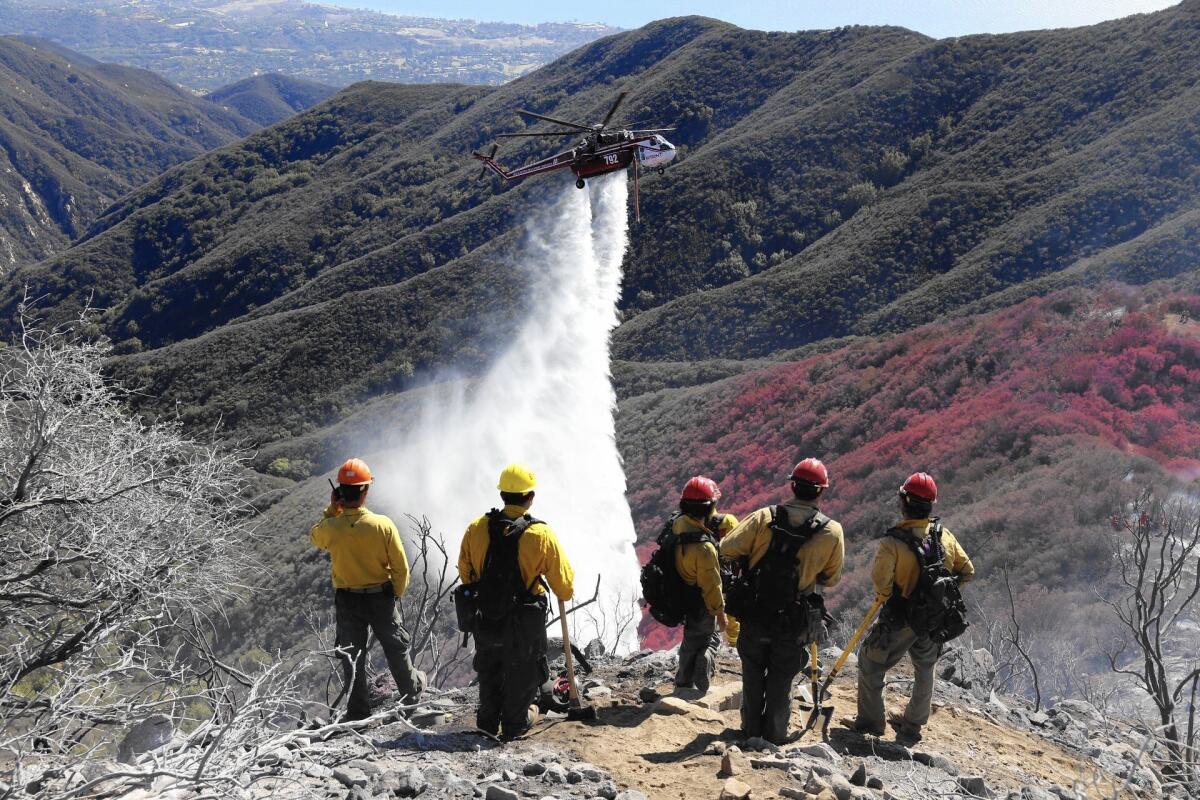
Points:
769	592
668	596
936	609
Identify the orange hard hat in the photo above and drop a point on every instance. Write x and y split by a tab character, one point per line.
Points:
354	472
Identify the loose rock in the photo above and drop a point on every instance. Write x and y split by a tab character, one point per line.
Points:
734	790
500	793
840	787
349	776
732	763
411	783
554	774
819	750
975	786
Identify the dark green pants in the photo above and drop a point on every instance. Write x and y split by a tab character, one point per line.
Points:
358	615
698	651
510	660
771	660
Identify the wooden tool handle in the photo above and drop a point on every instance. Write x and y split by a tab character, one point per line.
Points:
853	642
566	637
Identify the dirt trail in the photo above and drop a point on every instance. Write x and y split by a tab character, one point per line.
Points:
664	756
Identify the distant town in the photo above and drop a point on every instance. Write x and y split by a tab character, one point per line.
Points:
205	45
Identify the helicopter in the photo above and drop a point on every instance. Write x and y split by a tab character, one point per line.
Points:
602	149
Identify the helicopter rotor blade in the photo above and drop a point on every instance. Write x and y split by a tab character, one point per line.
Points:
613	110
547	133
652	130
555	121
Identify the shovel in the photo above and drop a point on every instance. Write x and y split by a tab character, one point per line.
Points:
576	711
818	710
821	693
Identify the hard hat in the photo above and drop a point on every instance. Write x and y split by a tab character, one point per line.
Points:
516	479
920	485
812	471
354	472
702	489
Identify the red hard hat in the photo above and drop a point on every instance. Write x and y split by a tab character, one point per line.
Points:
702	489
922	485
812	471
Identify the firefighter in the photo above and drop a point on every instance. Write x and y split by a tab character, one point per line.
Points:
791	549
370	570
699	565
894	577
510	557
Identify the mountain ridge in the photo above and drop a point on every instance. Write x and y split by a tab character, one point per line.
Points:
270	98
77	134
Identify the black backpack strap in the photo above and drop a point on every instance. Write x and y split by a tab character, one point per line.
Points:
935	531
792	539
500	525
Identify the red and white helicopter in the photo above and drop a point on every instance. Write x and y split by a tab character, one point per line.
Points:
602	150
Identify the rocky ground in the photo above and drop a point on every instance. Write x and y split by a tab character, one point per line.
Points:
652	742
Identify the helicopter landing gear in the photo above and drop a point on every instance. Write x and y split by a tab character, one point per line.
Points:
662	170
579	184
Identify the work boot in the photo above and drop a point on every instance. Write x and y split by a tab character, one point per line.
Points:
905	731
863	726
531	717
422	685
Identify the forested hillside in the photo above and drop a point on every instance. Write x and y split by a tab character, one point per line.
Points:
1037	420
871	177
77	134
271	98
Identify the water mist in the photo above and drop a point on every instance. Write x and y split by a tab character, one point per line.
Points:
547	402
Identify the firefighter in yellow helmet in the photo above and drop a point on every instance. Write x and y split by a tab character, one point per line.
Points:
370	570
509	558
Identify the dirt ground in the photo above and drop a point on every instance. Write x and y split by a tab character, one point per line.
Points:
664	756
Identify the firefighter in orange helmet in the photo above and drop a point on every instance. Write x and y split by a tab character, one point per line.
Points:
370	570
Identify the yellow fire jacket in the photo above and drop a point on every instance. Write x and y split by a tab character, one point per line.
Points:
820	558
539	554
896	566
698	563
364	547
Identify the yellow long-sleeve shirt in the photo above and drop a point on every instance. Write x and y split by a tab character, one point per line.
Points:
364	547
539	554
820	558
698	563
896	565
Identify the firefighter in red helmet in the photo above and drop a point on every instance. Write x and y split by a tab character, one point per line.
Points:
789	550
917	542
700	527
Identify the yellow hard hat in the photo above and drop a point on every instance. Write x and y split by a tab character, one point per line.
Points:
517	479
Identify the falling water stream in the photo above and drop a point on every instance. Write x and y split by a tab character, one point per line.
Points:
547	402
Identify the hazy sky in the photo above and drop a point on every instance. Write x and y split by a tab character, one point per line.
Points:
933	17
